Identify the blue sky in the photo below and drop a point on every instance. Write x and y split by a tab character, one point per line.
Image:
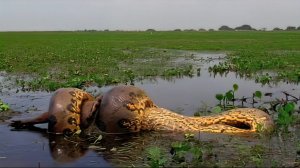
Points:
28	15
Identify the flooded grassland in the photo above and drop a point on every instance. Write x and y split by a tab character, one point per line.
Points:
249	69
188	95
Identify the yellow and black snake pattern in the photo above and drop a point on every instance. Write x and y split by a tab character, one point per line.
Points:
127	109
67	109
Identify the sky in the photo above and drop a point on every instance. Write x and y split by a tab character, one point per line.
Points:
43	15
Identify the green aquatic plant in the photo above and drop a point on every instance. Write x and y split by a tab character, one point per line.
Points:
79	54
264	79
3	106
179	72
220	68
156	157
187	151
285	114
257	94
227	97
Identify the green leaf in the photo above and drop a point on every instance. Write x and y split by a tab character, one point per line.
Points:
229	95
197	152
235	87
217	109
3	106
289	107
258	94
181	146
219	96
284	118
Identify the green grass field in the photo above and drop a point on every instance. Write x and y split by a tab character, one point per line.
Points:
62	59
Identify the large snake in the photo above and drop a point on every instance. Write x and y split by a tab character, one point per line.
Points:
127	109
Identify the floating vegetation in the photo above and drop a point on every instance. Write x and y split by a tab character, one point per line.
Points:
3	106
179	72
250	62
284	108
78	59
69	59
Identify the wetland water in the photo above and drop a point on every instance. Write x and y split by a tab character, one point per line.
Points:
184	95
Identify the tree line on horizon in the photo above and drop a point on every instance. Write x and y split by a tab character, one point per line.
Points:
240	28
248	27
244	27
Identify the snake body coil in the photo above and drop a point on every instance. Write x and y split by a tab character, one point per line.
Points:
126	109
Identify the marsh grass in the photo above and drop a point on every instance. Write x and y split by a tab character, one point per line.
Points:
72	59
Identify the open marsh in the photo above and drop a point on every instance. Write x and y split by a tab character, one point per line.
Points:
63	59
181	71
185	95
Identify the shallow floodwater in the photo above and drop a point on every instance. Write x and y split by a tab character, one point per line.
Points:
184	95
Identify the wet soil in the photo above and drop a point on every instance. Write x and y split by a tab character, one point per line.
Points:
8	114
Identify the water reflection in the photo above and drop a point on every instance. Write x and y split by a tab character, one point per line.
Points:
64	150
130	149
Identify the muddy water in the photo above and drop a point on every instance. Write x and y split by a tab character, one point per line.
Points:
185	95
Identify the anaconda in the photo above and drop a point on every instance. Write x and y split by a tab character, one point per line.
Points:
70	110
128	109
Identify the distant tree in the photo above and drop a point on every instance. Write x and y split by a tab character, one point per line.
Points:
290	28
298	28
150	30
211	30
201	29
225	28
106	30
277	29
89	30
244	27
177	30
189	30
